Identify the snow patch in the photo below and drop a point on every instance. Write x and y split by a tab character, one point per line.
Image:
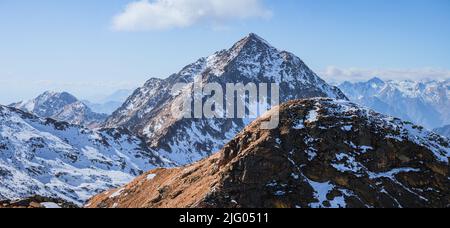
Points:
117	193
50	205
151	177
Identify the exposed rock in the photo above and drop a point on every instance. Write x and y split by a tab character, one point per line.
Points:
325	153
37	202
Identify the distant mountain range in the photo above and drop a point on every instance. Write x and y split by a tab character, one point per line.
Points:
119	96
424	103
147	112
109	104
62	106
325	154
105	108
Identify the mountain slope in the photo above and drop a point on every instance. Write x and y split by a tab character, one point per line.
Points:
63	107
55	159
425	103
251	60
325	153
444	131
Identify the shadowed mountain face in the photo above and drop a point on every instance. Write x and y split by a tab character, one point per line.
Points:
424	103
325	153
62	107
42	156
251	60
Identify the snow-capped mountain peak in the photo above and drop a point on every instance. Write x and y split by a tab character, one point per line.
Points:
62	106
240	52
250	60
251	42
376	82
47	104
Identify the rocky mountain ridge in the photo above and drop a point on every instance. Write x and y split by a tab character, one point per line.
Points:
326	153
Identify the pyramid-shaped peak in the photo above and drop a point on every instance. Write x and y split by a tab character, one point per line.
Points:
376	81
253	40
252	37
255	37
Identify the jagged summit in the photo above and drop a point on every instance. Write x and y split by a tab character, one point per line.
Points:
376	80
252	40
255	37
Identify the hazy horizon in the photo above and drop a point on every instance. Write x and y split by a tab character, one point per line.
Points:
94	48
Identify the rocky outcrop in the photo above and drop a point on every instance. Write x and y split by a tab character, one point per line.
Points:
325	153
37	202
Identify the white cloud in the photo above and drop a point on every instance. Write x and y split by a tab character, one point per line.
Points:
336	75
167	14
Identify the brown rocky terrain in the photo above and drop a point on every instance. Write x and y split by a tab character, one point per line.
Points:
36	202
325	153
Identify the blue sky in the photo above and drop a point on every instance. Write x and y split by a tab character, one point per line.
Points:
91	48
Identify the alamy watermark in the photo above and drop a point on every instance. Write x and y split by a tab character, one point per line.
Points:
231	101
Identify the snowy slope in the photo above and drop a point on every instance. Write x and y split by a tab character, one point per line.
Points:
55	159
425	103
80	114
63	107
251	60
